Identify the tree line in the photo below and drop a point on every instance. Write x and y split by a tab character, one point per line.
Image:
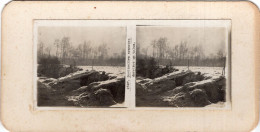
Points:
180	54
82	54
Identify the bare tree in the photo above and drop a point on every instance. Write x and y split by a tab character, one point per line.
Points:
176	51
65	44
123	53
40	49
102	51
80	51
153	43
48	50
161	46
57	44
198	53
145	51
94	53
222	59
138	53
183	50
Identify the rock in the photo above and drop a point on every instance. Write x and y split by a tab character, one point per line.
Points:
116	87
181	89
84	88
214	88
199	97
105	97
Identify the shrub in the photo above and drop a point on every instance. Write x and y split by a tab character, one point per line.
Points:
148	67
140	67
48	67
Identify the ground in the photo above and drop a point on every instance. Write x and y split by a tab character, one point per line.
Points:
97	87
186	87
104	86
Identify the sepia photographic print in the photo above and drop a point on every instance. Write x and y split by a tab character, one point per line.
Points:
133	63
80	66
183	65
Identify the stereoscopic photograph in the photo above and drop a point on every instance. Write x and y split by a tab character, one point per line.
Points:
180	63
120	66
80	66
180	66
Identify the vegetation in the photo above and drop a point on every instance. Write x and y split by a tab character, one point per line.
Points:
149	68
82	54
181	54
49	66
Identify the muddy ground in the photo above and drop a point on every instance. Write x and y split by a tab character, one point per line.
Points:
91	88
82	88
180	89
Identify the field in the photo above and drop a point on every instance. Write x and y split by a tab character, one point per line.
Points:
118	71
205	70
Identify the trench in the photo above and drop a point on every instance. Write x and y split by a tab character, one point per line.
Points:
59	93
188	90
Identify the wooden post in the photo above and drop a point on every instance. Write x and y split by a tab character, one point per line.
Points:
223	71
188	64
93	61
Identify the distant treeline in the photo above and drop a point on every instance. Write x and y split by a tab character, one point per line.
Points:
181	54
83	54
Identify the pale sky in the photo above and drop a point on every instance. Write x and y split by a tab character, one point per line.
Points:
211	38
114	37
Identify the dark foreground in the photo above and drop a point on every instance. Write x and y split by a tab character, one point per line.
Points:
180	89
82	89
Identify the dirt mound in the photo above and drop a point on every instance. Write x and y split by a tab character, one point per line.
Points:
155	87
105	97
66	70
75	81
46	96
192	77
104	93
181	89
101	97
93	77
180	99
214	88
115	86
84	88
199	97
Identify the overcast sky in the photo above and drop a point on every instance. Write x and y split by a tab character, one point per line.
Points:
212	39
114	37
